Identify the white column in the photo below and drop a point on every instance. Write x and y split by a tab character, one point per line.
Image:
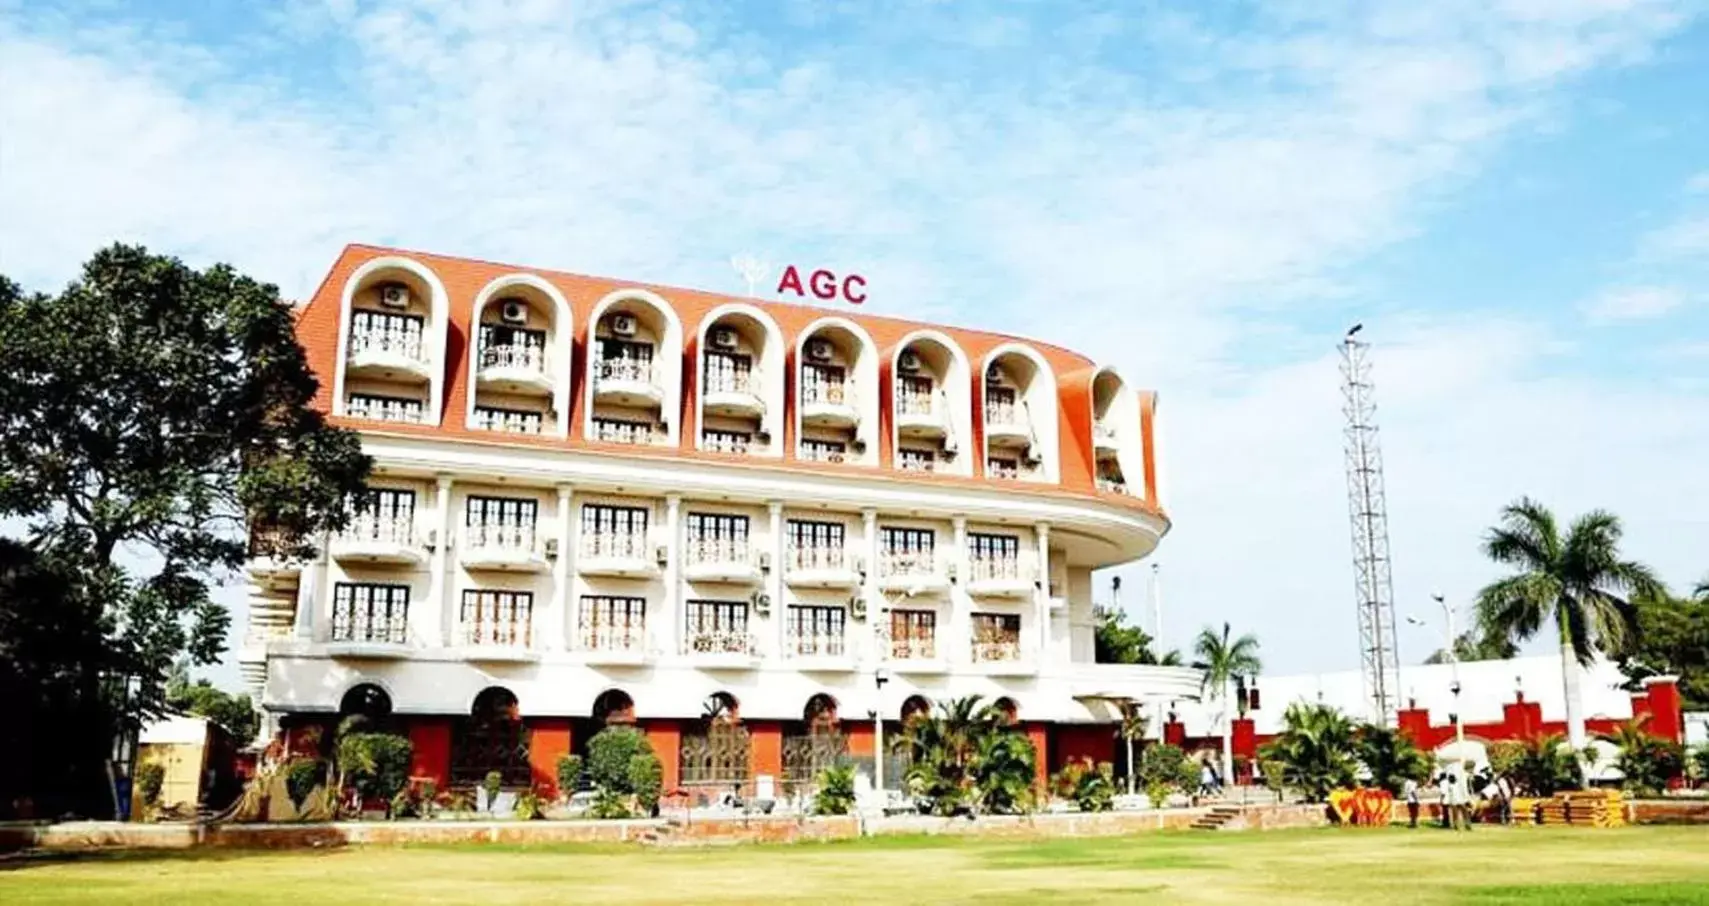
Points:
959	639
559	619
671	638
435	624
1043	593
869	588
774	581
311	590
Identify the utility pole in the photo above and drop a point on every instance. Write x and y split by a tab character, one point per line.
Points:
1367	510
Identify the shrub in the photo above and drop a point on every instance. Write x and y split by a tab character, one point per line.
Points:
1547	765
609	753
836	793
1096	789
429	797
1700	760
1506	758
528	806
569	774
376	764
646	778
967	755
403	805
1645	762
1316	750
302	775
1164	769
1003	772
1391	757
608	804
491	784
150	779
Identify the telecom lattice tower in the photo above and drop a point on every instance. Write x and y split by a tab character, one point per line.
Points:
1367	510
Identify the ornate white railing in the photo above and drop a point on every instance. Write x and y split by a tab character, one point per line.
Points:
818	644
719	641
595	635
370	621
515	355
836	394
1104	433
1002	412
499	625
818	557
997	650
369	527
500	535
401	336
912	649
509	422
621	546
1112	485
731	382
385	410
985	569
623	432
908	563
719	551
645	372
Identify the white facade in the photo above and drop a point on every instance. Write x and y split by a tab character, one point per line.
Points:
407	599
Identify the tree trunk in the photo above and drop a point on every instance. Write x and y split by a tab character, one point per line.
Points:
1574	706
1227	740
1130	766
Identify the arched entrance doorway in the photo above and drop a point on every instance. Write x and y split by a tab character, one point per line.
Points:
716	752
812	744
491	738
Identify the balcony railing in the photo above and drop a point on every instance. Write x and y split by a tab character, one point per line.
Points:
1113	485
491	626
997	650
616	432
832	394
644	372
369	527
594	635
507	421
818	557
909	402
989	569
998	412
394	337
719	641
724	442
822	454
818	644
908	563
720	551
385	410
731	382
514	355
913	649
1103	433
500	535
615	545
370	622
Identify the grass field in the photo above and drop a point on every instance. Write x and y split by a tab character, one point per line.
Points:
1487	866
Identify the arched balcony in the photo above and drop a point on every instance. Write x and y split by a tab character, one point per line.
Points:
1117	448
391	343
836	411
634	365
740	392
931	406
1020	415
519	358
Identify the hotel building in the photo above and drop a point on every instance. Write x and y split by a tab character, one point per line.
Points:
597	501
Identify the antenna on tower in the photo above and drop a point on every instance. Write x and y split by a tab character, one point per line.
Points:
1367	510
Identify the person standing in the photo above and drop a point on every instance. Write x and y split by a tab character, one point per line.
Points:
1444	796
1409	791
1504	789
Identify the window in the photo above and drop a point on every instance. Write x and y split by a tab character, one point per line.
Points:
816	631
993	547
618	431
383	408
1002	467
614	531
822	383
368	612
913	634
625	360
512	347
729	372
383	514
1000	406
917	460
996	636
914	394
717	538
511	421
382	331
612	623
907	540
815	545
717	627
500	521
497	617
822	450
726	441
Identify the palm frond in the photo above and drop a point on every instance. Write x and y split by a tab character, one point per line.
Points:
1515	607
1527	536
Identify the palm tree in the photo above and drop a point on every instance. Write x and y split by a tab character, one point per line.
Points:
1315	750
1222	661
967	754
1702	589
1130	729
1578	580
1391	756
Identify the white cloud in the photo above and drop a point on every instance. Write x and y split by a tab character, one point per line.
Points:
1698	183
1685	239
1634	303
1200	216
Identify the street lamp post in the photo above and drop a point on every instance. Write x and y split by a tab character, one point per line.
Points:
1453	666
879	678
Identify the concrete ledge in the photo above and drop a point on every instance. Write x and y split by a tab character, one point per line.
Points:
94	836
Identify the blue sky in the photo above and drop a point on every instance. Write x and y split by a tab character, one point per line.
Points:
1513	196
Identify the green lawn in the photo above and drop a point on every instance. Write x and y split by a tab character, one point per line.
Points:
1487	866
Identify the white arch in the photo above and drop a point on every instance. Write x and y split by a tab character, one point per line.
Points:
1045	424
959	381
771	365
1124	418
866	381
439	308
670	356
563	343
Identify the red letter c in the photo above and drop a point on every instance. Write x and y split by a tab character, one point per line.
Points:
854	280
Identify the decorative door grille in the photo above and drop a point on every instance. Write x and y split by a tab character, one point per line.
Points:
717	756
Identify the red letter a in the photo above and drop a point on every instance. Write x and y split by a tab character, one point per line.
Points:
791	280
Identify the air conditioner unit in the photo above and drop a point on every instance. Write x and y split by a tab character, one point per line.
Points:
765	562
1032	460
762	603
908	362
723	338
819	350
513	312
994	375
662	553
552	548
394	295
622	324
857	563
951	448
762	436
858	446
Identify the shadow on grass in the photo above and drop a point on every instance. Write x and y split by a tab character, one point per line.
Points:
1662	893
34	858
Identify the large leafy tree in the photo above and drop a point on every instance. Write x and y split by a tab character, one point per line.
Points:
1391	756
1672	639
1115	642
1224	662
235	713
1576	580
968	755
1476	645
150	413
